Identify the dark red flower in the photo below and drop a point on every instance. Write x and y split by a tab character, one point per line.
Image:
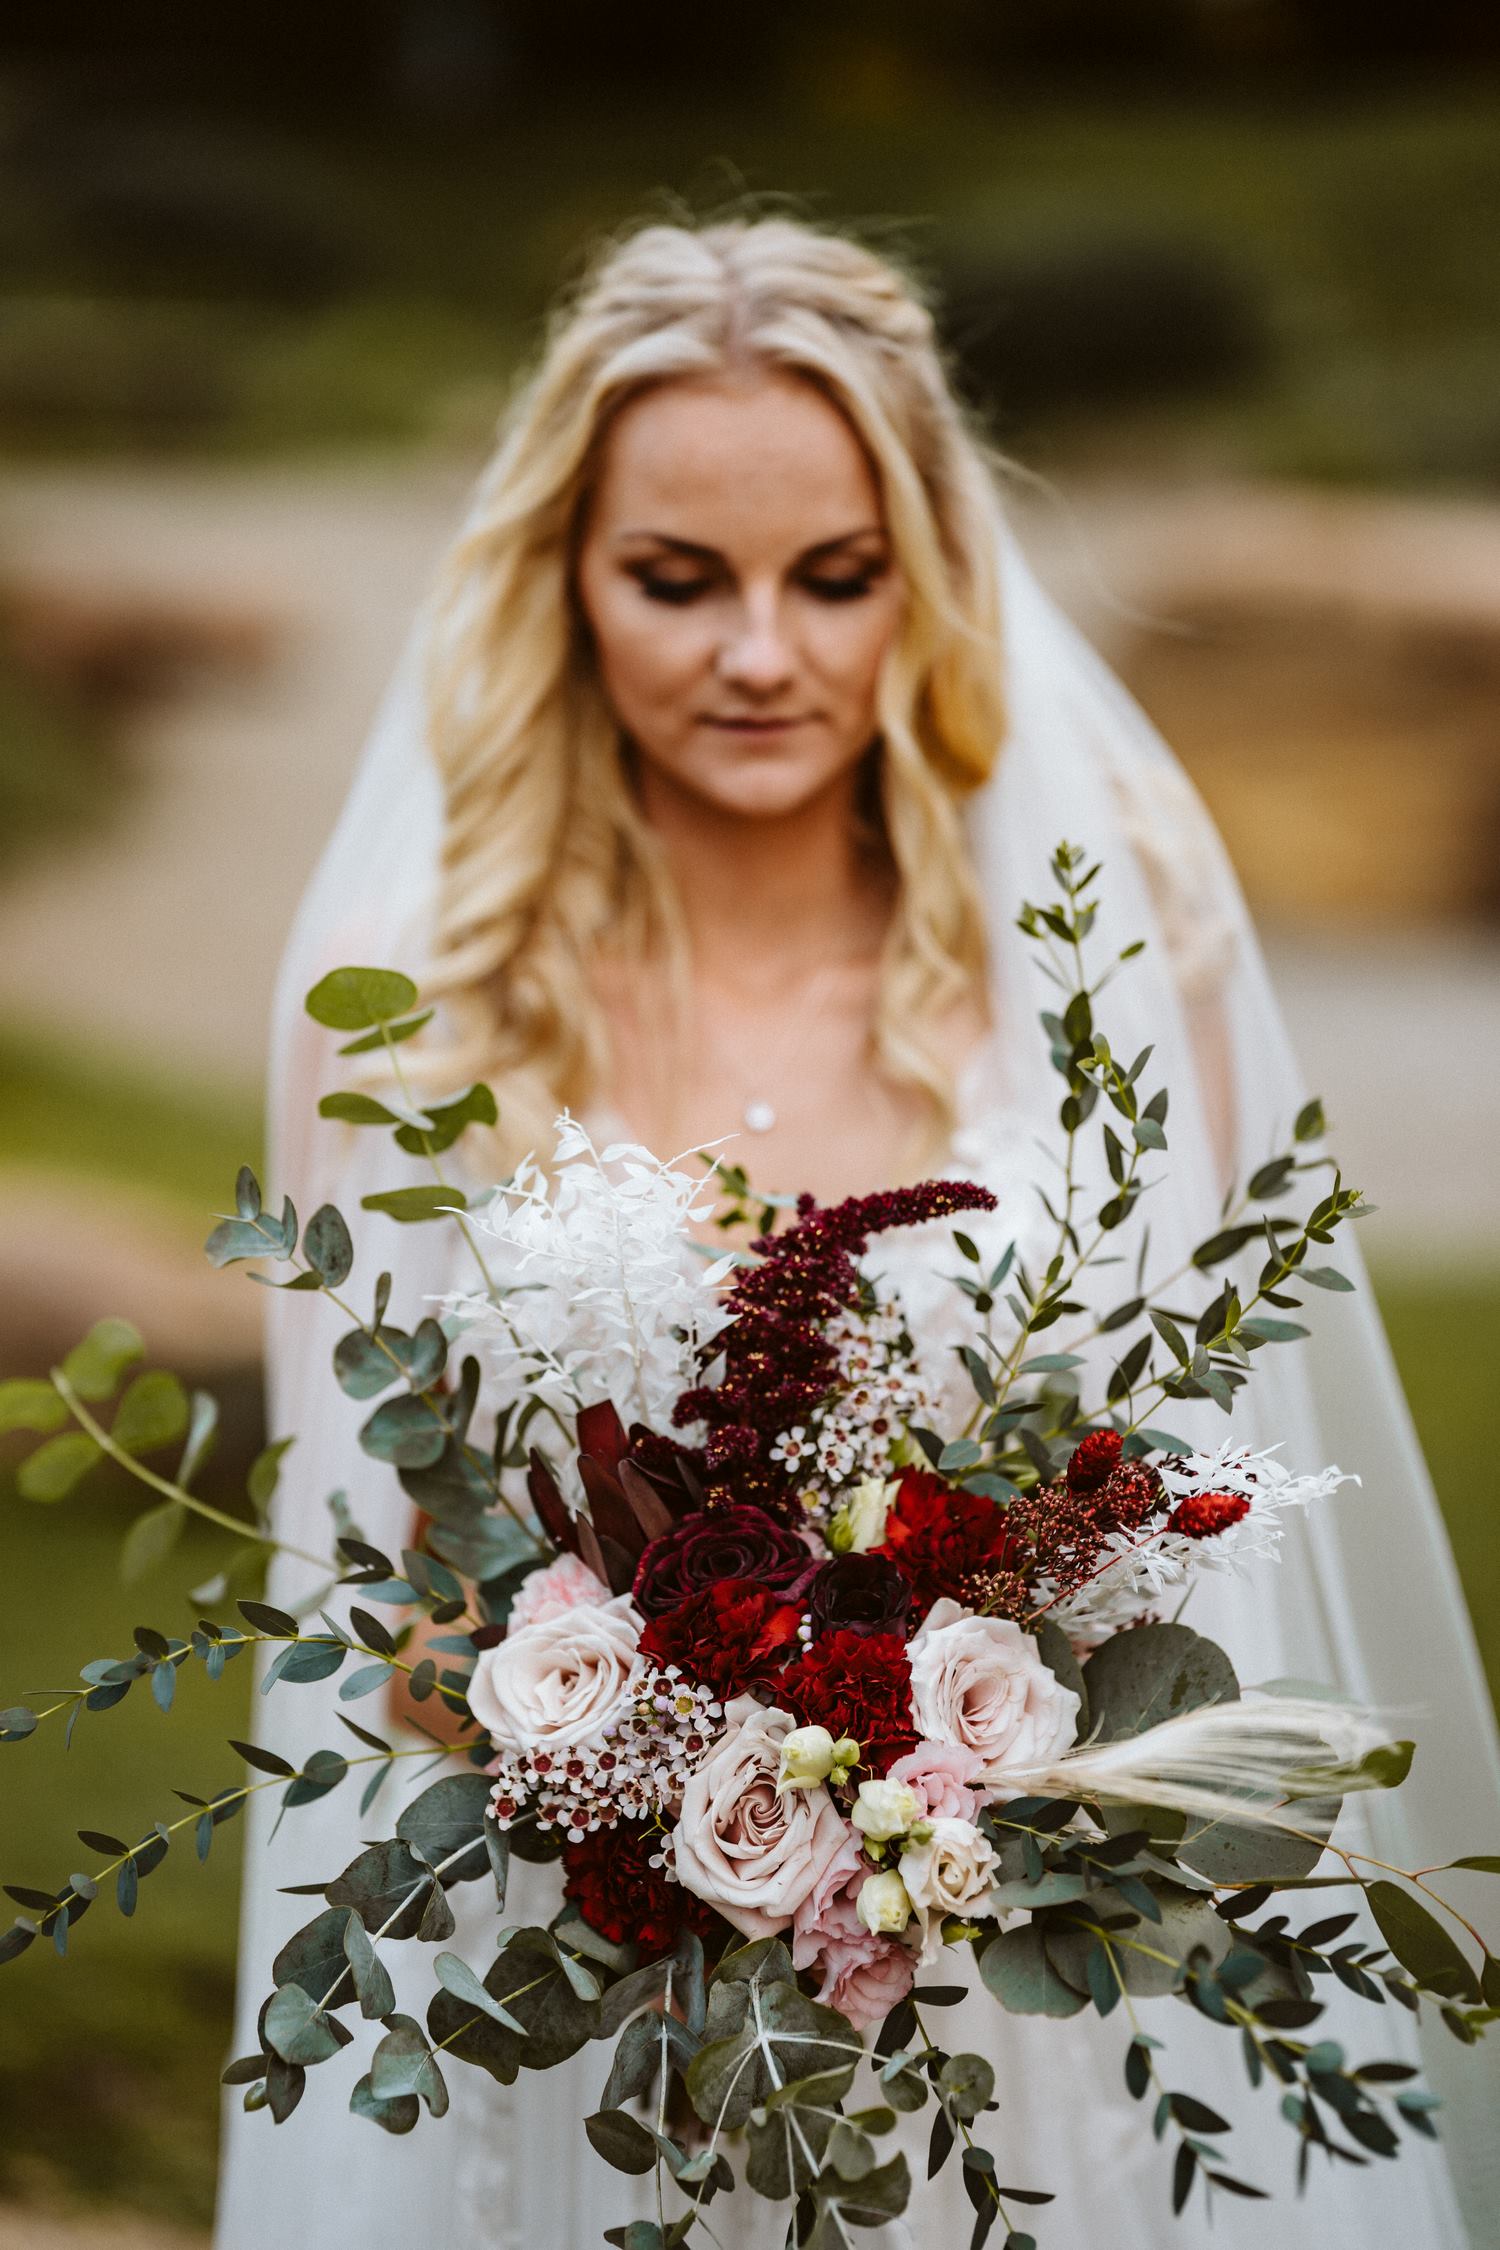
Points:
730	1636
941	1537
857	1684
1204	1514
609	1877
865	1593
738	1541
1093	1458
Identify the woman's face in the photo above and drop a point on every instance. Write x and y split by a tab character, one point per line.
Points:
739	584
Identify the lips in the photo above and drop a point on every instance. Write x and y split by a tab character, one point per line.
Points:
754	725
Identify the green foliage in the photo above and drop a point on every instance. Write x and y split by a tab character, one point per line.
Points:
355	999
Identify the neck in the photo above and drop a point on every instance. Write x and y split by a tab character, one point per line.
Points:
787	893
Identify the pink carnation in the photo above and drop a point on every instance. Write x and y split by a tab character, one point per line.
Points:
564	1584
863	1975
941	1773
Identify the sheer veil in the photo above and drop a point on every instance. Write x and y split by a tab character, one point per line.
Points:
1367	1595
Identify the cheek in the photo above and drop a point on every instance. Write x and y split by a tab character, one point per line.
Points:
848	647
647	656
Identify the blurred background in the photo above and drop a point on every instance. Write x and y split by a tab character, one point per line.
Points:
1219	273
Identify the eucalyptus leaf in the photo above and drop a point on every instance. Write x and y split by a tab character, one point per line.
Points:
403	2063
1137	1679
1015	1968
30	1404
352	999
152	1413
150	1539
411	1205
94	1366
56	1466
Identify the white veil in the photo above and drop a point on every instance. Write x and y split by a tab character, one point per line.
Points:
1366	1596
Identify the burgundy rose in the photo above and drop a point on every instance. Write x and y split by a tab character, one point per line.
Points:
739	1541
864	1593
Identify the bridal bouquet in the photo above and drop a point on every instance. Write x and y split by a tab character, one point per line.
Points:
818	1667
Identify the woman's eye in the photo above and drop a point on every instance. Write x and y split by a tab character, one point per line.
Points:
843	589
678	590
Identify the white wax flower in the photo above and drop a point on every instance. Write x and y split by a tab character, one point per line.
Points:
884	1809
806	1758
883	1905
858	1523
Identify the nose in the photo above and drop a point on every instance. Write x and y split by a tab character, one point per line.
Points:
755	656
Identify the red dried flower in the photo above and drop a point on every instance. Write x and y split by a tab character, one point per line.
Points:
942	1537
610	1879
778	1364
1093	1458
1128	1495
857	1684
730	1636
1204	1514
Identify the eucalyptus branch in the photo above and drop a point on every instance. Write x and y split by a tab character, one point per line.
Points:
170	1491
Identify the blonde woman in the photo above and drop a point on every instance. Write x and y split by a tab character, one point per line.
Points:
732	738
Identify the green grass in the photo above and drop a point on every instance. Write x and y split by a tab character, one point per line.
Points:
108	1120
108	2061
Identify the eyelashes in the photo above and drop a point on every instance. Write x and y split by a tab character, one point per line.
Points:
680	593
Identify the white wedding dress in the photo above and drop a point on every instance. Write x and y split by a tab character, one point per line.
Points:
1365	1597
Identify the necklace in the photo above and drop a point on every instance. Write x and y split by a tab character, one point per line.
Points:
758	1113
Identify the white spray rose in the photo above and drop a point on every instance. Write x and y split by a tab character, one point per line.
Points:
562	1681
806	1758
883	1905
951	1872
859	1522
884	1809
980	1682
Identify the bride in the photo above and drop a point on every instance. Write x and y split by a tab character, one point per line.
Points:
731	741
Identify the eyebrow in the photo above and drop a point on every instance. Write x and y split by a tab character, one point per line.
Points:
699	553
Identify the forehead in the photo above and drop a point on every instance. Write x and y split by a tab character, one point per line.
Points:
721	460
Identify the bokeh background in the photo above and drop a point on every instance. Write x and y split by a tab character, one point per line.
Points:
1220	275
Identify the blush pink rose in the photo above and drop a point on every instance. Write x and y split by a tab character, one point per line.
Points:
742	1844
942	1775
863	1975
980	1684
563	1681
564	1584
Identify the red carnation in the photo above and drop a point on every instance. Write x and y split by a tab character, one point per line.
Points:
1093	1458
610	1879
857	1684
731	1636
1204	1514
942	1538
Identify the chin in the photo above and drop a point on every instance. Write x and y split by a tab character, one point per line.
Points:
765	786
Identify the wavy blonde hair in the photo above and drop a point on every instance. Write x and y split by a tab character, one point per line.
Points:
547	859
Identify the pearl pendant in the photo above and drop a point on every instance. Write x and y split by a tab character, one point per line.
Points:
758	1117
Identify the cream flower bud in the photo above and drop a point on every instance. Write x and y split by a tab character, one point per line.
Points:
884	1809
859	1524
807	1757
883	1905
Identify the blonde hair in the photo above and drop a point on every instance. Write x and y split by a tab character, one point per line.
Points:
546	856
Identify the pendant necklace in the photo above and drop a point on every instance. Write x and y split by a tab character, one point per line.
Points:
758	1113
